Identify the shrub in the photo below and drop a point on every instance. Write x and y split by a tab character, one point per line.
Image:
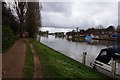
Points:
7	37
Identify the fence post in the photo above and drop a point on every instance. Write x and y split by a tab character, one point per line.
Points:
113	68
84	58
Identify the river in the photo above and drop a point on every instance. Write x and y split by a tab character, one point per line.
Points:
75	49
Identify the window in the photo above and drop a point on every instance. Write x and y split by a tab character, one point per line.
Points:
117	54
104	53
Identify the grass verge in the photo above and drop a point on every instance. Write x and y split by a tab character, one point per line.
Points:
29	61
57	65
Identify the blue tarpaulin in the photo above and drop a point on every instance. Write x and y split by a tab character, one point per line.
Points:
88	37
116	35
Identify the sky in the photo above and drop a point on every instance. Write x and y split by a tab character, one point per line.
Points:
79	14
66	15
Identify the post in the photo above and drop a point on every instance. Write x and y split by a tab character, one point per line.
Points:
84	58
113	68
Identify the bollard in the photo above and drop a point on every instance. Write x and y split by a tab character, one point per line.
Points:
113	68
84	58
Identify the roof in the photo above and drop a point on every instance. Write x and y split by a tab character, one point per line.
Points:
112	52
113	49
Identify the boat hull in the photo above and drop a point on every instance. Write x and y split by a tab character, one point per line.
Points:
106	68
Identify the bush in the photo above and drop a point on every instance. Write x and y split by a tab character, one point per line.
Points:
7	37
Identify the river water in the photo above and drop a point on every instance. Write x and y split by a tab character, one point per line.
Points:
75	49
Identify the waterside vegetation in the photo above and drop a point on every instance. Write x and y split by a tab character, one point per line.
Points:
58	65
29	61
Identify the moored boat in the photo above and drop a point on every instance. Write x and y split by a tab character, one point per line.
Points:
104	60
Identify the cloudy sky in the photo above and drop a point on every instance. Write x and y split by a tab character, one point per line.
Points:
79	14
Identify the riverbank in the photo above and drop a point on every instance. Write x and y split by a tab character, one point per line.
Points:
57	65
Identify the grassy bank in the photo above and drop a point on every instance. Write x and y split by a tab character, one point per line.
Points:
57	65
29	62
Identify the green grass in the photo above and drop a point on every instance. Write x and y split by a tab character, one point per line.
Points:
57	65
29	62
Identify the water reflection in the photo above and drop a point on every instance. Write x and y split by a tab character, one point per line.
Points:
75	47
101	42
60	37
81	39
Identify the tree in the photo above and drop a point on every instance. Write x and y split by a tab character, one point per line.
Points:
9	19
82	31
118	29
21	8
90	31
33	19
100	27
77	29
9	27
28	14
111	28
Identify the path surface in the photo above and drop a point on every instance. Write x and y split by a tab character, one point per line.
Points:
13	60
37	64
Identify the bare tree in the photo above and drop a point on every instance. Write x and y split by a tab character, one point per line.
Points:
21	9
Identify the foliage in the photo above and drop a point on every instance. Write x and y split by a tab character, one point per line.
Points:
7	37
99	30
33	19
57	65
9	19
9	27
29	62
118	29
90	30
111	28
26	18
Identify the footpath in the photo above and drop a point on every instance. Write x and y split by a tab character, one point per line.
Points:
13	60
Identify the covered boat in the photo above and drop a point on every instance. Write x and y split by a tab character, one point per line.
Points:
103	61
88	37
116	35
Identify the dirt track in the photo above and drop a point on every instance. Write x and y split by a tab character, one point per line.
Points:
13	60
37	65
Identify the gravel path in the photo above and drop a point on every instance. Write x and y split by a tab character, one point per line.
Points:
13	60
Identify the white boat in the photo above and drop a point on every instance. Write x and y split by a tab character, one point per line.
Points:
104	60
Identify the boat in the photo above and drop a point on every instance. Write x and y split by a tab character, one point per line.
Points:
88	37
104	60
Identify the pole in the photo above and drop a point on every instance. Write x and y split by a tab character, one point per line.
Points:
113	68
84	58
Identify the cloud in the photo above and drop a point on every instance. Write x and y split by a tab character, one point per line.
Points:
57	7
79	14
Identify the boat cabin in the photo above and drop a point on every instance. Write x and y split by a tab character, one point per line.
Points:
103	61
108	53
